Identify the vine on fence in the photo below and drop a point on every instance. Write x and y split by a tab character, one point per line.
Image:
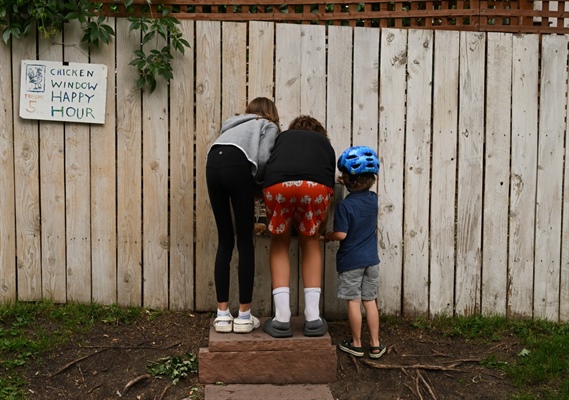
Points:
19	17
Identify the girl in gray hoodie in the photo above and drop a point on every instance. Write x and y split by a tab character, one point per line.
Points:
235	170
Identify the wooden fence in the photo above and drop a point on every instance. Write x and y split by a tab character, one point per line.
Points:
470	128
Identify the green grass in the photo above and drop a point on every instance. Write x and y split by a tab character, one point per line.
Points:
539	371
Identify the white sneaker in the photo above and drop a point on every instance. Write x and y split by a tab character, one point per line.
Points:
223	323
241	325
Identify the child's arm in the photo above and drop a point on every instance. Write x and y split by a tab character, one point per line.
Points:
335	236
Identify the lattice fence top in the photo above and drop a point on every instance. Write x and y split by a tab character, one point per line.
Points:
523	16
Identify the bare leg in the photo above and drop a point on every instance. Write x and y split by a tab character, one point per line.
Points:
372	317
355	318
279	259
311	260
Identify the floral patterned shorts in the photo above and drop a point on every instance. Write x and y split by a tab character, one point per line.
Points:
302	203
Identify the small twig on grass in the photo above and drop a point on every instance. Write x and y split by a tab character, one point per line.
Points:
164	391
74	362
134	381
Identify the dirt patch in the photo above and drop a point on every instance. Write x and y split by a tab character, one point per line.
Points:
110	363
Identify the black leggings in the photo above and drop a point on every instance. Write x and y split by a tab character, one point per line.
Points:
230	185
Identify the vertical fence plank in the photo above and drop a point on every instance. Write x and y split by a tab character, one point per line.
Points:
553	101
77	188
261	84
525	78
496	174
7	194
261	51
129	170
313	100
392	99
182	134
155	136
366	87
313	71
287	73
288	101
28	227
208	125
443	172
564	281
234	69
52	186
417	173
470	146
339	114
103	187
233	101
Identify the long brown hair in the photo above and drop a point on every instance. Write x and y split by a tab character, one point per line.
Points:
264	108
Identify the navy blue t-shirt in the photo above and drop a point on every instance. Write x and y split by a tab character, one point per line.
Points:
356	216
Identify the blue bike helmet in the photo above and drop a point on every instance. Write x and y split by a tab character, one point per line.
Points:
359	160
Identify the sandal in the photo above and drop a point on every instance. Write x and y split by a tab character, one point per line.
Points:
315	328
277	329
346	345
223	323
377	351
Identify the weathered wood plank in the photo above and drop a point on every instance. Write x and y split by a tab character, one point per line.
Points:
443	173
392	99
548	219
129	170
261	51
103	187
7	177
261	84
339	110
470	158
525	78
288	100
77	189
417	173
52	187
182	177
155	192
208	125
26	164
496	174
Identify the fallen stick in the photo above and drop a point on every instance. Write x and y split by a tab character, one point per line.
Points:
429	389
74	362
414	366
134	381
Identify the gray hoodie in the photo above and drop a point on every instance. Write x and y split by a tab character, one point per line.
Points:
254	136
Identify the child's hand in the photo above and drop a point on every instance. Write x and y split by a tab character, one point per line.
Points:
340	180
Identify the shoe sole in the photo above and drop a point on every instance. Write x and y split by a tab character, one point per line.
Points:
350	351
247	328
377	355
320	331
274	332
223	328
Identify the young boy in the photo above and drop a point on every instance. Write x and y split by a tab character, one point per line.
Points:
357	260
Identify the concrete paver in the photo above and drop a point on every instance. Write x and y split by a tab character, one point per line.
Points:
268	392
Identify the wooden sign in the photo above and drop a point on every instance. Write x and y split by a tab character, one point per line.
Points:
71	92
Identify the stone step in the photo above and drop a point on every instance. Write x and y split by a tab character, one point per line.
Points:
268	392
258	358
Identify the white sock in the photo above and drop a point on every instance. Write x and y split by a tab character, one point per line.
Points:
312	303
281	297
244	314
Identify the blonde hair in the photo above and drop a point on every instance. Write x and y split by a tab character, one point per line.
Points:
307	123
264	108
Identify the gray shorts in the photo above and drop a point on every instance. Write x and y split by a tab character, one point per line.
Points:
359	283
